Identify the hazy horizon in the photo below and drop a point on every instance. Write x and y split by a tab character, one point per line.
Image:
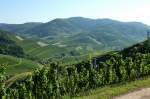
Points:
23	11
73	17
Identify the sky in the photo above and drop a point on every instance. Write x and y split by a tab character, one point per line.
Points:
21	11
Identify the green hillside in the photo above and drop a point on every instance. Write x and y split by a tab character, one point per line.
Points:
32	47
42	50
19	28
16	65
70	45
35	47
13	56
98	34
57	81
8	46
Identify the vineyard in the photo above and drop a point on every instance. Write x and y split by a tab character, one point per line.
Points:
16	65
54	81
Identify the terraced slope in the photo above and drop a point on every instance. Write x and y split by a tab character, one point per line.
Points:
37	47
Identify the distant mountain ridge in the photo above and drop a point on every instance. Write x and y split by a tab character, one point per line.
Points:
18	28
79	31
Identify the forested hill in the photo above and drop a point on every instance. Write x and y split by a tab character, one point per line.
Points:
8	46
79	32
18	28
75	25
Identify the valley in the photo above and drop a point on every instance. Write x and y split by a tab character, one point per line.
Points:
74	49
75	31
68	58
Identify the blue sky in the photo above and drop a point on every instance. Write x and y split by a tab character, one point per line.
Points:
20	11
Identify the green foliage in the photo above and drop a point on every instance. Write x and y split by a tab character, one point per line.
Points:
2	79
55	81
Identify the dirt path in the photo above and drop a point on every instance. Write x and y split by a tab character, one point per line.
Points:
140	94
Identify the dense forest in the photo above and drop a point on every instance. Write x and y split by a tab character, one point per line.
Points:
55	81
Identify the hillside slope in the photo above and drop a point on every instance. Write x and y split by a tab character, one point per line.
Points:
12	44
8	46
16	65
12	54
132	51
80	79
18	28
91	33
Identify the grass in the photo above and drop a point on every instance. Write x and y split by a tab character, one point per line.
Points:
16	65
109	92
